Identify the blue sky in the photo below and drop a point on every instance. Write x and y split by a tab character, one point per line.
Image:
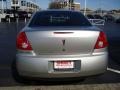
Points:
93	4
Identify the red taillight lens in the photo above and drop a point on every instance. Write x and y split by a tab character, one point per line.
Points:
22	42
101	41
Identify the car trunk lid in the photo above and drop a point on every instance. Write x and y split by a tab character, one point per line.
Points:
62	41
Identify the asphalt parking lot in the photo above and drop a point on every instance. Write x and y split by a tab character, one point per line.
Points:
109	80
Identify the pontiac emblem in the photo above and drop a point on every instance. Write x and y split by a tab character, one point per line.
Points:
63	41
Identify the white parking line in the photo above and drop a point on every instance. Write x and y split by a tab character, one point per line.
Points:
113	70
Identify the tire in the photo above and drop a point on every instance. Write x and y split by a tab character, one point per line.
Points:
16	76
7	18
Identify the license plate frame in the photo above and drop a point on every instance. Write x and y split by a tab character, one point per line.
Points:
61	65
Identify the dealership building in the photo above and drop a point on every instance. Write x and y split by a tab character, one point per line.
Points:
22	5
64	4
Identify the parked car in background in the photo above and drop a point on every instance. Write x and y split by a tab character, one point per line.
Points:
98	16
30	14
7	15
11	15
95	16
59	44
96	19
22	14
117	20
89	16
108	18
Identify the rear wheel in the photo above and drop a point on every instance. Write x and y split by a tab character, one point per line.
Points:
7	18
16	75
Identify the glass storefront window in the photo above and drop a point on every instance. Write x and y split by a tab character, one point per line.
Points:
23	3
15	1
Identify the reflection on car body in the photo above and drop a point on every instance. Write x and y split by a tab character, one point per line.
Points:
60	44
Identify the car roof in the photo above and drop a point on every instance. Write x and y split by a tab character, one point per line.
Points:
66	10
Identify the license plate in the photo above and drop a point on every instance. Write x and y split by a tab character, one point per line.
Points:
63	65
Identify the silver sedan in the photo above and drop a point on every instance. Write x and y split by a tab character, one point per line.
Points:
60	44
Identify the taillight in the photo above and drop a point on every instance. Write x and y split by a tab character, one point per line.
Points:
101	41
22	42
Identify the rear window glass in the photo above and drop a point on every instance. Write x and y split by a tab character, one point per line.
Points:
58	18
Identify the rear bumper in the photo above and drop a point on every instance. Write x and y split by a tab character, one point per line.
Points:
42	66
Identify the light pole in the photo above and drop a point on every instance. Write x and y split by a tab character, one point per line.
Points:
6	5
2	6
101	7
70	4
85	8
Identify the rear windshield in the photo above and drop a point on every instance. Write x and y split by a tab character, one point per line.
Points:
58	18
